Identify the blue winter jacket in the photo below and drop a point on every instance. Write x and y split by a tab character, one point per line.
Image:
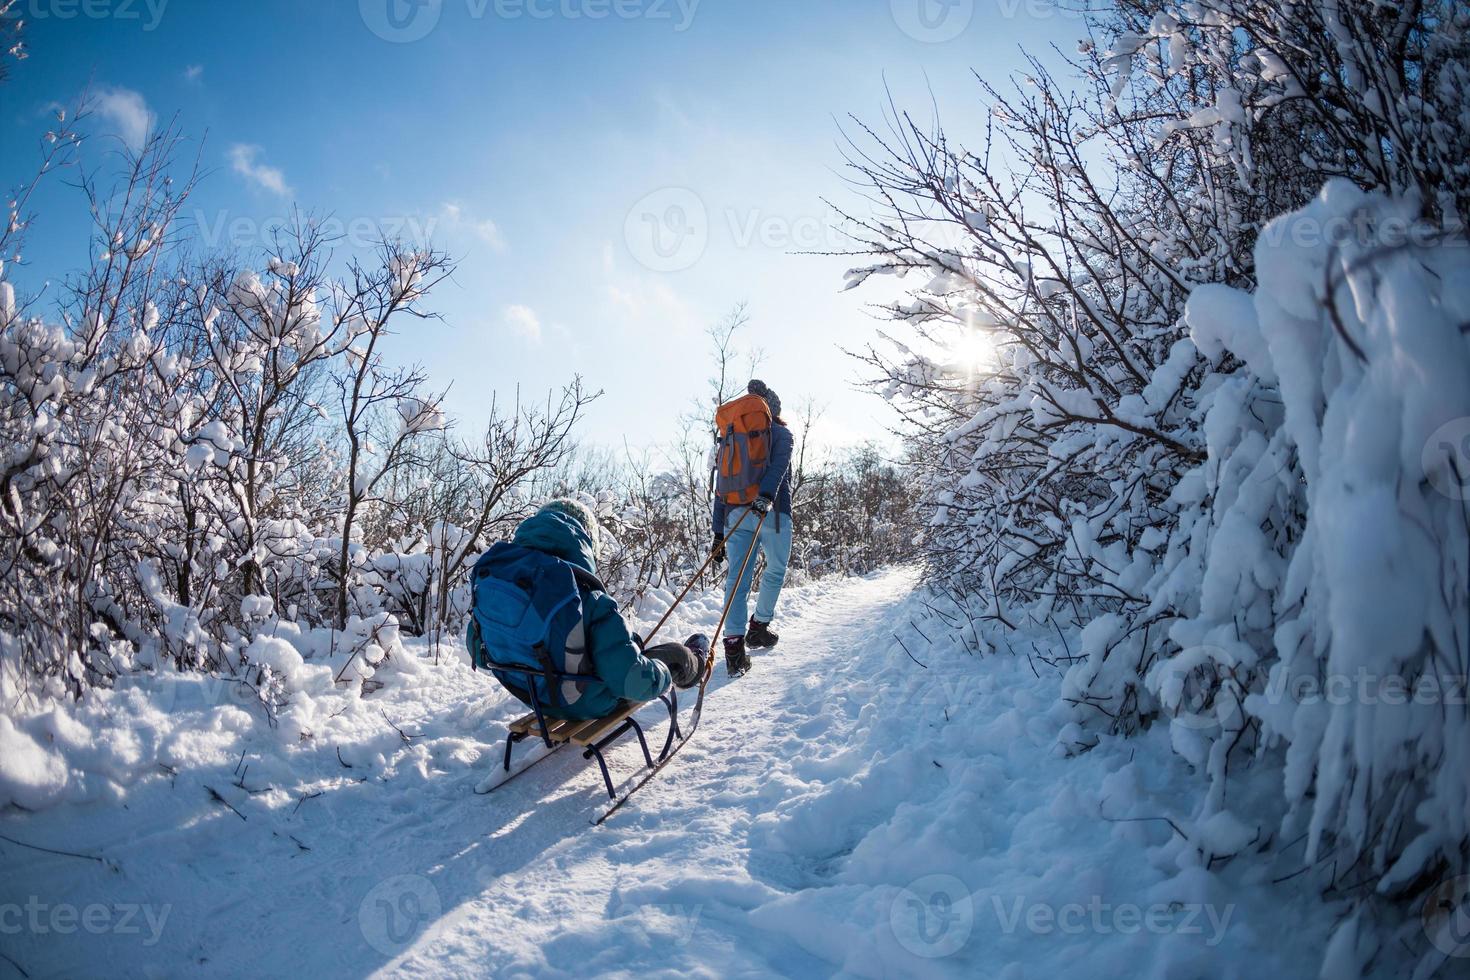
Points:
776	484
624	672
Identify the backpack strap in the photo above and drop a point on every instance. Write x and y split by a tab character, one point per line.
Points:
583	649
586	579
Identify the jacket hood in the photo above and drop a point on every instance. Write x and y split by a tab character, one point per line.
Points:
560	535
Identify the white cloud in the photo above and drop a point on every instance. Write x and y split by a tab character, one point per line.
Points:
645	303
484	229
488	233
644	300
524	321
129	114
243	159
193	73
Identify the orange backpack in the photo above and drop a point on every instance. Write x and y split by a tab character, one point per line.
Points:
743	428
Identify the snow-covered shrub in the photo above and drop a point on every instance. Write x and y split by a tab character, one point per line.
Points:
1207	440
1050	407
90	411
208	464
855	513
170	465
421	577
1326	543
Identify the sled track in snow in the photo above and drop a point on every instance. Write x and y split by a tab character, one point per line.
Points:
537	857
789	837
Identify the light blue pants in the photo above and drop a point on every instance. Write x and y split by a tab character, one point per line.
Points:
775	544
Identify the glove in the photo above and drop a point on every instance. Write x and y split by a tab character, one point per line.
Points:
761	505
717	551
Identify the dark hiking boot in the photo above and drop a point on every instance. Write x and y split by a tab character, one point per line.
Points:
760	636
737	661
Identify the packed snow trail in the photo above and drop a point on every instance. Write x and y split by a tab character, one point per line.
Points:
569	899
843	809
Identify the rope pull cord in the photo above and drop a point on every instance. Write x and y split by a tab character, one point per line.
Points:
702	569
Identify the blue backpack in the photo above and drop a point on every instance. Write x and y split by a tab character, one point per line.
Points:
529	618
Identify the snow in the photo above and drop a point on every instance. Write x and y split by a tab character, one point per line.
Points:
31	776
256	606
419	415
1366	595
841	810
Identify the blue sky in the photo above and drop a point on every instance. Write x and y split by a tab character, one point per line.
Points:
613	175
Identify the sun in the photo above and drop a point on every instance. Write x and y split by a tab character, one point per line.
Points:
972	349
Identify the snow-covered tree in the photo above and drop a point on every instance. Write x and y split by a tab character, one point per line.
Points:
1156	381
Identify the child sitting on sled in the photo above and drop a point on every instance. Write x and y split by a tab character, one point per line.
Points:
541	611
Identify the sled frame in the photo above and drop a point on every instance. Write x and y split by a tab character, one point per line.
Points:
594	735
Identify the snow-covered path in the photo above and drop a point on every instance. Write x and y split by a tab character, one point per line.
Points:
842	810
404	867
554	894
559	895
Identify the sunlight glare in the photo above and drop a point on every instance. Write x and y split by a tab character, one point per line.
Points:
973	350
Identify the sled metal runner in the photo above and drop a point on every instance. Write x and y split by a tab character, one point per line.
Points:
669	753
498	779
594	735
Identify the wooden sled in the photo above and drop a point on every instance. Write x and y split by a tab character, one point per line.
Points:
592	736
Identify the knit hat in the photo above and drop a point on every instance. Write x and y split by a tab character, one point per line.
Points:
772	399
582	514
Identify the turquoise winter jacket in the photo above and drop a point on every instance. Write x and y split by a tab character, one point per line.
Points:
624	672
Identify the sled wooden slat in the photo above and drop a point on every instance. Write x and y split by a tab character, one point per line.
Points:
562	730
559	729
582	731
573	731
602	726
522	726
